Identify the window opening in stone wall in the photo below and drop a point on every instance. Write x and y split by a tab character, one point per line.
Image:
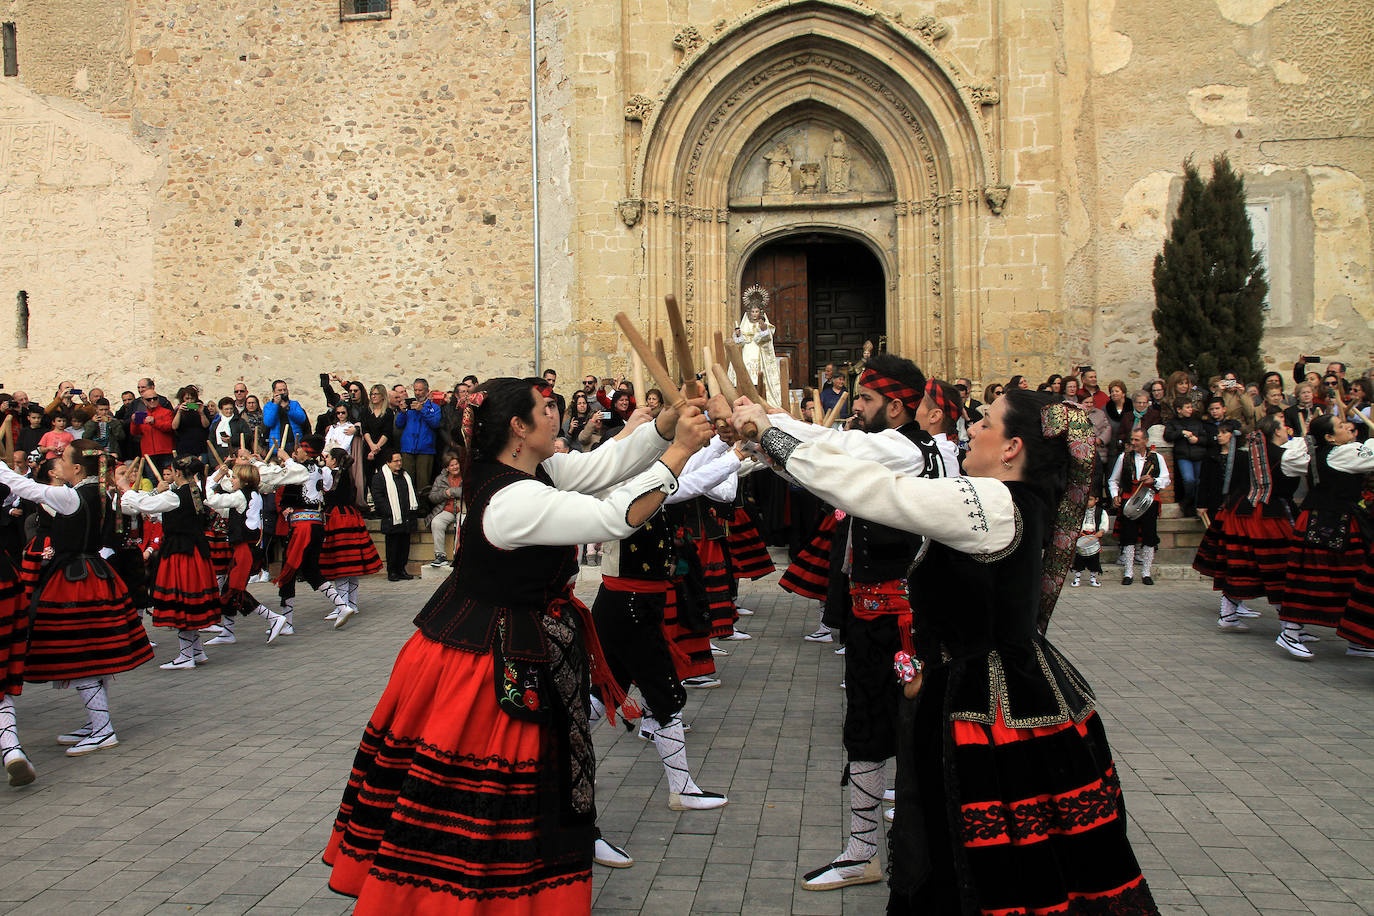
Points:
350	10
11	42
1260	225
21	331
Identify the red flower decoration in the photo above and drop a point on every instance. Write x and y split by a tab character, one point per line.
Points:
531	700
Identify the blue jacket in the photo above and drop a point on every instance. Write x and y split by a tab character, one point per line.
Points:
417	428
275	419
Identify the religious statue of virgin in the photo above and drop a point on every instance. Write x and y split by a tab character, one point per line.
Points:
754	334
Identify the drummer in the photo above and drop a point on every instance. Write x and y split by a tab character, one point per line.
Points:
1139	473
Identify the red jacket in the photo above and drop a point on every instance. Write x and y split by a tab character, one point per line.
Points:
155	432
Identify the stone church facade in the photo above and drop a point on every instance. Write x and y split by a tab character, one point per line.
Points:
272	188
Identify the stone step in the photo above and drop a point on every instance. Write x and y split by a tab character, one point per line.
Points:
1172	572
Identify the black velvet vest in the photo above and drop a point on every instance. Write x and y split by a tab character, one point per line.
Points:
702	518
493	590
648	553
976	615
1334	491
880	553
86	530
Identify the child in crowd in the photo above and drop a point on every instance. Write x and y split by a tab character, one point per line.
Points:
1088	549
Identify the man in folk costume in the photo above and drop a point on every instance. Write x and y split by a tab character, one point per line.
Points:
878	623
1139	466
939	414
300	495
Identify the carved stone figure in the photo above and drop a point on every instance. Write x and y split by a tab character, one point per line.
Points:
837	165
810	178
779	160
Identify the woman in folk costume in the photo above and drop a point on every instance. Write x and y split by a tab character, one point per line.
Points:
234	496
1328	583
31	562
1245	550
472	791
186	594
994	714
83	629
300	483
754	334
14	643
347	553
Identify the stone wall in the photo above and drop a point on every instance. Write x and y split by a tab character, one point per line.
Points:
258	190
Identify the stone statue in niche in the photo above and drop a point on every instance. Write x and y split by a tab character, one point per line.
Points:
810	177
837	165
779	160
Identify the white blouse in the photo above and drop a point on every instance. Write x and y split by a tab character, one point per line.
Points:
969	514
529	513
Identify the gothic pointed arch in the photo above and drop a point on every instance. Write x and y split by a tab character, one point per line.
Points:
837	62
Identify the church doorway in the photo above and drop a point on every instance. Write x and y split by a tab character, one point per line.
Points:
826	296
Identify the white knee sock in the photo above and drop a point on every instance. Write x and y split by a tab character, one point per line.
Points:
351	592
866	786
95	695
335	594
227	621
1147	559
672	749
1228	607
9	728
1128	558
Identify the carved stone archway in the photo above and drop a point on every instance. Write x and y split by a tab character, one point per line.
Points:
840	62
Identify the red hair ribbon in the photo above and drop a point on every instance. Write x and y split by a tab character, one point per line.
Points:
891	388
936	392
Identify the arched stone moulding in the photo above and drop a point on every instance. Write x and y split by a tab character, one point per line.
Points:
919	108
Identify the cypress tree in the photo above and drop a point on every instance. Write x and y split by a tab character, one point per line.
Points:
1209	282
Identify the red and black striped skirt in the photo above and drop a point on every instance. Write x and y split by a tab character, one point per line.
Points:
716	571
440	812
1246	556
86	628
347	551
221	552
31	564
1320	582
14	629
748	554
1357	623
809	574
185	593
690	649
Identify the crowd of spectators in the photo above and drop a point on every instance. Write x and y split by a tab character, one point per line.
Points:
423	425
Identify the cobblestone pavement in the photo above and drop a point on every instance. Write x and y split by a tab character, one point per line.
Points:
1249	776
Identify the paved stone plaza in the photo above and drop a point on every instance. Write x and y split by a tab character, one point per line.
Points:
1249	776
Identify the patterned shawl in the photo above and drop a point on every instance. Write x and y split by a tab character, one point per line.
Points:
1070	421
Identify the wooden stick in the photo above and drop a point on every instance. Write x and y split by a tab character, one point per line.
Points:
654	365
815	404
710	383
255	440
242	440
794	404
723	384
834	414
746	384
157	475
682	345
720	356
219	462
748	430
637	377
662	355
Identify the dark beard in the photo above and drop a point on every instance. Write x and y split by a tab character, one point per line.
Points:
878	425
